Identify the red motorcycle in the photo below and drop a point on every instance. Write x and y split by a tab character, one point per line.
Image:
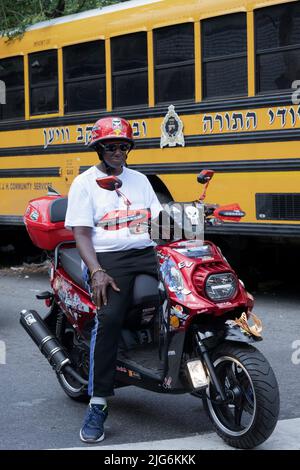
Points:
191	332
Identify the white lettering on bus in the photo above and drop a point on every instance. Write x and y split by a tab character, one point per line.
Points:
56	135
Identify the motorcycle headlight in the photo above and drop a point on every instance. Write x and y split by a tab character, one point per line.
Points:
221	287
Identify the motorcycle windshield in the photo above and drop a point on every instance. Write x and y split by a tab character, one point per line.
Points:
196	252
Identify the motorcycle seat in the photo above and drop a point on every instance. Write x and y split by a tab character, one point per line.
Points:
70	260
145	302
58	209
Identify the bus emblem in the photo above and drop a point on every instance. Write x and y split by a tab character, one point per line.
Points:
171	129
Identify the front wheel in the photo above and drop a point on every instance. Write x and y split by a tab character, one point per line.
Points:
250	413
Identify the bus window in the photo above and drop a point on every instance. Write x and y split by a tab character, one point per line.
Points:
224	56
12	74
277	31
43	79
174	63
84	76
129	64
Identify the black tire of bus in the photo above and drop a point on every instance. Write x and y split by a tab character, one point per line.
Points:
163	198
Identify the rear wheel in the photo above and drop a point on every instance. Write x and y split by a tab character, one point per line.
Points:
79	356
250	414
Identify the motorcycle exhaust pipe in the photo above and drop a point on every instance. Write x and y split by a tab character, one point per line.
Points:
47	343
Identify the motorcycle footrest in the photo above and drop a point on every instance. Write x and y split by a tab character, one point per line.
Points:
44	295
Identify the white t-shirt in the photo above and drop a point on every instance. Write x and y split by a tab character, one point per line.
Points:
91	206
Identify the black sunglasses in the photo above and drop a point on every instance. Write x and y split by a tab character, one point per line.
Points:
124	147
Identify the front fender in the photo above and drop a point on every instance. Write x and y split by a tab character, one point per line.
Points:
236	333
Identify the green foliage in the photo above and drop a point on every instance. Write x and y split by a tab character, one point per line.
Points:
17	15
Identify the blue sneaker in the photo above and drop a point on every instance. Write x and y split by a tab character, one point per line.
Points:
92	429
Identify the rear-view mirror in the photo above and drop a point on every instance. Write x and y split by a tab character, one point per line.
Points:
205	176
110	183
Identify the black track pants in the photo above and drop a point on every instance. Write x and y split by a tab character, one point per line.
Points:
123	267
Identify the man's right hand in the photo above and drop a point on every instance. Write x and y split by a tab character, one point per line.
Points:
99	284
100	281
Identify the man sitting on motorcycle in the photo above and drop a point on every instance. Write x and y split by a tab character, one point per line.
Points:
113	257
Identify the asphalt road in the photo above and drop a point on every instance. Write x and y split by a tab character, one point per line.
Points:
36	414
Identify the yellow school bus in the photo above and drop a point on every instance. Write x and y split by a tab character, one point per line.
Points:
205	84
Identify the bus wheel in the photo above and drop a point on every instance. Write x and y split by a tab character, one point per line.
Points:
163	198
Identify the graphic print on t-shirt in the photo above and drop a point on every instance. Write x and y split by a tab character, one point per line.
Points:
136	220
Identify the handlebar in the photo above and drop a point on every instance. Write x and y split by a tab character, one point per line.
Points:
193	216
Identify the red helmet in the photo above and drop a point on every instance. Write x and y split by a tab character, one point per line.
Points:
111	128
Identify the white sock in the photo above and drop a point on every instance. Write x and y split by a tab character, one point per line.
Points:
98	401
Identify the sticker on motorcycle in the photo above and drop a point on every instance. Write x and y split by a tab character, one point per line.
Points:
34	215
134	374
30	319
177	316
69	297
167	382
172	278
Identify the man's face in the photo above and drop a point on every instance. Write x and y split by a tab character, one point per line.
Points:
115	152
